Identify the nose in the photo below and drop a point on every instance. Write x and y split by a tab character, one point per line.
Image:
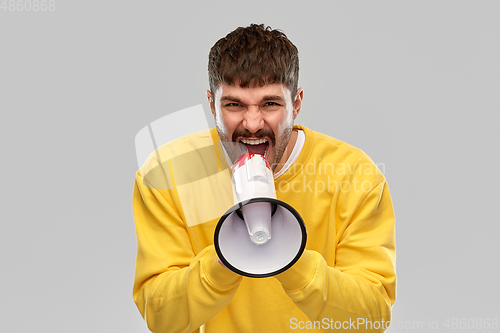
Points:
253	120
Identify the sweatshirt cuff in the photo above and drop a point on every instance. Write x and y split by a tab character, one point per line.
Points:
218	275
301	273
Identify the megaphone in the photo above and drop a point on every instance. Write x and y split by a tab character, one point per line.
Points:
260	236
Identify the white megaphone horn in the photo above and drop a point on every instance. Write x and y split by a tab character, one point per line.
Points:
259	236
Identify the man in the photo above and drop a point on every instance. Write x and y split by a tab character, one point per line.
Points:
344	280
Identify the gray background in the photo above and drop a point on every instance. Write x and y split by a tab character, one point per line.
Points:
415	84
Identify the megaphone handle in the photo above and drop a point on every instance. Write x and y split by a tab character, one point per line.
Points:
274	207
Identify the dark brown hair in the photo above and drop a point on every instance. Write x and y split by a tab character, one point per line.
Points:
254	56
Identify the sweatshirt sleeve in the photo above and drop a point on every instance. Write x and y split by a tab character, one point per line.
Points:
361	285
174	289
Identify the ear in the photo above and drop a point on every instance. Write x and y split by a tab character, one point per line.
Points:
297	104
211	102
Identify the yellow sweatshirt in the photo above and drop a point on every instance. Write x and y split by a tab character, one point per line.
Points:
345	279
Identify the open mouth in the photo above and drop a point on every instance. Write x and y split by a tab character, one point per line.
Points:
256	146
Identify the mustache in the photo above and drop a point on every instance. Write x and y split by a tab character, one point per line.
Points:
262	133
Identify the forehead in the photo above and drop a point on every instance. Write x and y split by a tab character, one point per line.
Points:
252	94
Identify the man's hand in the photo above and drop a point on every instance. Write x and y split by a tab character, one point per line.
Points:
220	262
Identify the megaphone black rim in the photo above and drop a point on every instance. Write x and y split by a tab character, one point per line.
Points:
238	206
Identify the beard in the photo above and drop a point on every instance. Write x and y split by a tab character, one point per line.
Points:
282	143
276	145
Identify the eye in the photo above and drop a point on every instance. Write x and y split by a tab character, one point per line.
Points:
233	106
271	106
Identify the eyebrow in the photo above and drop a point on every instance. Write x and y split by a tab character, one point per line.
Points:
265	98
230	98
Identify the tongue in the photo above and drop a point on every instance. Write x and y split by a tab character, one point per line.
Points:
257	149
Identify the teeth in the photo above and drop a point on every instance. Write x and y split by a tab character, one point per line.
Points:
253	142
